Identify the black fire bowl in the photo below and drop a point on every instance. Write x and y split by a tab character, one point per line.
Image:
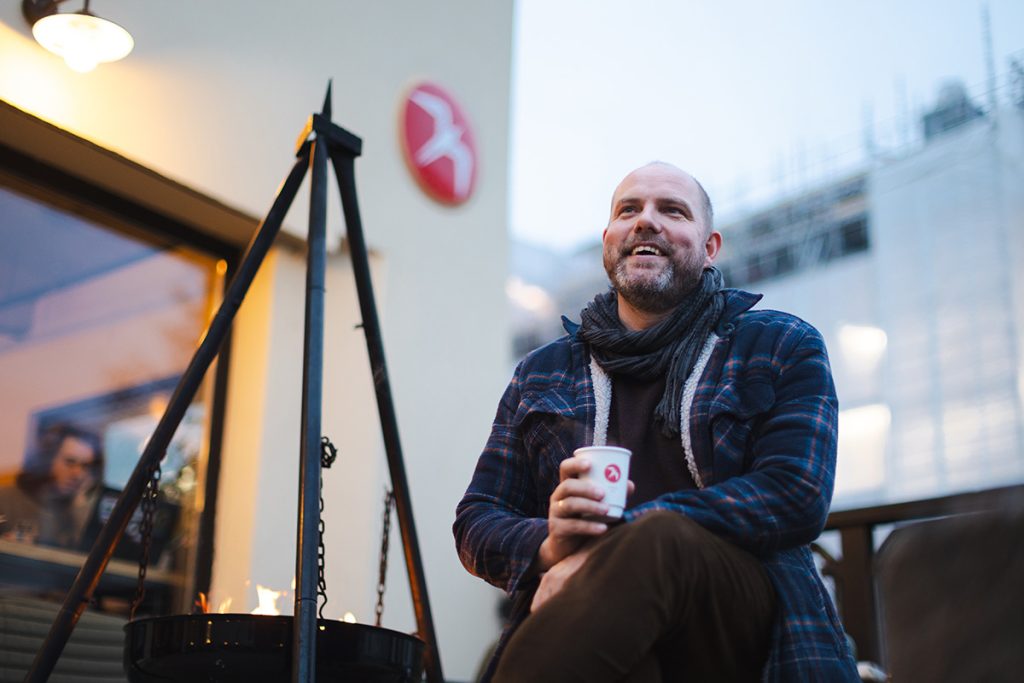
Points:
250	648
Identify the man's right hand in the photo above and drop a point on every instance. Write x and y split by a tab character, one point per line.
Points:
571	499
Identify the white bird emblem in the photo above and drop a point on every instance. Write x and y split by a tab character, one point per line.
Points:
445	142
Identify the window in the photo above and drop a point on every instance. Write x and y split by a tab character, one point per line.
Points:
854	235
102	303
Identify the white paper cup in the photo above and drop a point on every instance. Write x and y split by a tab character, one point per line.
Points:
609	470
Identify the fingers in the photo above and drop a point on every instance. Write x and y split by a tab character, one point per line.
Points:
572	467
544	591
631	487
573	507
574	498
571	527
571	501
576	488
552	582
539	598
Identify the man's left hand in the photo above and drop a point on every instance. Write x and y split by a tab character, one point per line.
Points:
553	580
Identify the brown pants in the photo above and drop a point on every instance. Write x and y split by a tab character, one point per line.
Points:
660	599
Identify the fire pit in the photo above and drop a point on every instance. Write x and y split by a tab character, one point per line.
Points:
255	648
250	648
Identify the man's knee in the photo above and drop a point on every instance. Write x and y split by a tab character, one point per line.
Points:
665	526
676	542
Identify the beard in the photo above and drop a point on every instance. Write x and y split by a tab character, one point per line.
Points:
654	289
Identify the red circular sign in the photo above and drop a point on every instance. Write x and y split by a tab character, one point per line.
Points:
438	144
612	473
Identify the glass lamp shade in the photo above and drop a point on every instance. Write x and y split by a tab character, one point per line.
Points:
83	40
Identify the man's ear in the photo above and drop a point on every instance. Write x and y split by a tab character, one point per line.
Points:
711	247
604	233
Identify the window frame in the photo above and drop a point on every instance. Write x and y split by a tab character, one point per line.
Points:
70	172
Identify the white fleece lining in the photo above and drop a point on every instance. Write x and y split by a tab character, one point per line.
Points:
689	391
603	402
603	398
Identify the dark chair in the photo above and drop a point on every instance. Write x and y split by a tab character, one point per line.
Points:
951	594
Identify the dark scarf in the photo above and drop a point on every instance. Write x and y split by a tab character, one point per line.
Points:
669	348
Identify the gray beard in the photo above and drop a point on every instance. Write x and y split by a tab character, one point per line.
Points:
661	293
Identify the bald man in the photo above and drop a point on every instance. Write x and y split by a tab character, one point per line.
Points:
731	417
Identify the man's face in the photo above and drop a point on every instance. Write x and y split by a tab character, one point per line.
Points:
70	468
656	244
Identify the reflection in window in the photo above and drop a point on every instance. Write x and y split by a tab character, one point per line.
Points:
97	322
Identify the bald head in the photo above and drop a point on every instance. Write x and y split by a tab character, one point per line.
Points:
707	212
658	243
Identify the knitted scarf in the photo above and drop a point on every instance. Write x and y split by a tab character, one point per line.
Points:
669	348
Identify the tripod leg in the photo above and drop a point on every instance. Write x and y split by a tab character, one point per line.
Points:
304	630
344	169
96	562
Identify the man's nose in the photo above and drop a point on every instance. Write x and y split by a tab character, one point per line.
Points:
647	220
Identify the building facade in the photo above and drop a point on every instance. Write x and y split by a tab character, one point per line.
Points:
912	270
213	106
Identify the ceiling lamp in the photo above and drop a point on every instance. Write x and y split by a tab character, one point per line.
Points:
81	38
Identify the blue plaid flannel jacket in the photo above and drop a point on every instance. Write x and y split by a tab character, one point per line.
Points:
763	434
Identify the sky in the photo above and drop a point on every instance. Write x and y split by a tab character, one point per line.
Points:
754	98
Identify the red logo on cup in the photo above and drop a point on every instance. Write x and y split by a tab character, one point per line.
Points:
438	144
612	473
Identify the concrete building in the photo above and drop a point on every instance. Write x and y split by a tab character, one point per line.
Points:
912	272
209	104
911	268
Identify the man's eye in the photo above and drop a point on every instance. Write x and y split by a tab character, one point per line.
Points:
627	209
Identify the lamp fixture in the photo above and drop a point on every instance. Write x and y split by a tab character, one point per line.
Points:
81	38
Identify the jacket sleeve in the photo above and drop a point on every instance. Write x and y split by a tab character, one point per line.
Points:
498	527
782	499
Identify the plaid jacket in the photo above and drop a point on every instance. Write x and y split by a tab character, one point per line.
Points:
763	435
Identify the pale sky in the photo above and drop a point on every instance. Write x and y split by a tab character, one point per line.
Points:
751	97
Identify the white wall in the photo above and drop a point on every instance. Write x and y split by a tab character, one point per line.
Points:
949	221
214	96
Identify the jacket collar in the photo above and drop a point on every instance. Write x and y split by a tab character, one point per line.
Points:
737	301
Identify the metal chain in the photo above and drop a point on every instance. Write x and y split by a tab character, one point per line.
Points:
389	504
328	454
149	498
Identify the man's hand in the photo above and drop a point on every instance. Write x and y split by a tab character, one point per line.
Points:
554	579
570	500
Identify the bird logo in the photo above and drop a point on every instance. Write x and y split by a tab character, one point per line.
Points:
612	473
438	144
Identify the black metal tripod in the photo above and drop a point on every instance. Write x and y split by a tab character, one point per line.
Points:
321	140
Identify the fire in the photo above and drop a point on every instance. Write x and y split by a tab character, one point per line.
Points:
202	604
268	600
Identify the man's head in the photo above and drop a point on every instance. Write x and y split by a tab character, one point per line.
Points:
69	459
73	465
659	238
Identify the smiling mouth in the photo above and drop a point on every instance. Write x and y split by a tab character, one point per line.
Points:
646	250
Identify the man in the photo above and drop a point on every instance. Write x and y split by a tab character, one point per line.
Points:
52	498
731	416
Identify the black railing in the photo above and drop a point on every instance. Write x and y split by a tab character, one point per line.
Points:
853	571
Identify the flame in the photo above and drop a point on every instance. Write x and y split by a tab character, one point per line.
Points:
268	600
349	618
204	605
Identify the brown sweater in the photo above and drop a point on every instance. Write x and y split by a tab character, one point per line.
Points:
658	465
